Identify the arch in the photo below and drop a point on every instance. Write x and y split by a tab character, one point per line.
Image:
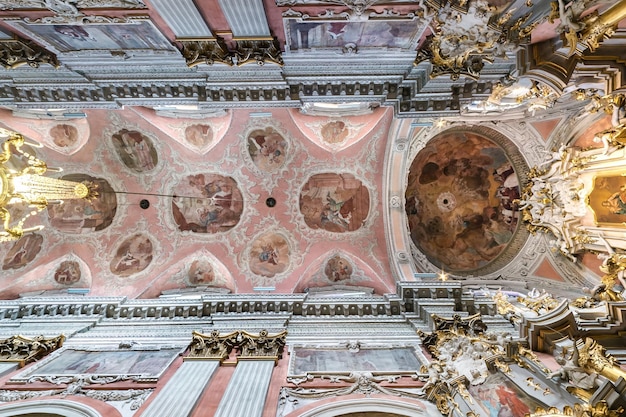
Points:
363	405
63	408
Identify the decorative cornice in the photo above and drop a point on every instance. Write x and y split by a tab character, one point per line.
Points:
17	52
24	350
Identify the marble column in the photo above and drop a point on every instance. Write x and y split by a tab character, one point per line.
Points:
247	389
181	393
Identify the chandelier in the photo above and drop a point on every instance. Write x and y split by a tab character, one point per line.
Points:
24	191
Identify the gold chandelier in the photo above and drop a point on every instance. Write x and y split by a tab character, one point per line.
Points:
24	191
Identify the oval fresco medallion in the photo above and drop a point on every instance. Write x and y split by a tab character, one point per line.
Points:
23	251
269	255
338	268
135	150
67	273
201	272
212	203
199	135
334	132
334	202
133	255
80	215
267	148
460	200
64	136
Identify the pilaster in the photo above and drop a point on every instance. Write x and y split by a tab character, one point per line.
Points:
180	394
247	389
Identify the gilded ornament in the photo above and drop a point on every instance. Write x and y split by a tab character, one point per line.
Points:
17	52
600	409
24	350
214	346
260	51
262	346
205	51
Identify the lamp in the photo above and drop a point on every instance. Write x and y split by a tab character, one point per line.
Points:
23	185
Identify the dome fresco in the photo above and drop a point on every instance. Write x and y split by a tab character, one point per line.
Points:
460	200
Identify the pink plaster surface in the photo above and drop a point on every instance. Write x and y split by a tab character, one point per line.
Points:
174	250
546	270
545	128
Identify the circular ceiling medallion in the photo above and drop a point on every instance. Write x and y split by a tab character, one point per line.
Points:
460	199
335	202
207	203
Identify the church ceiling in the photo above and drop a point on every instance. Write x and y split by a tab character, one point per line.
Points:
293	145
209	222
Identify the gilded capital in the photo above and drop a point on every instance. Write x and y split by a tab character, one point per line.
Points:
17	52
214	346
263	345
24	350
205	51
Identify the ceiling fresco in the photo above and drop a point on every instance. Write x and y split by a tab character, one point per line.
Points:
207	225
460	198
300	173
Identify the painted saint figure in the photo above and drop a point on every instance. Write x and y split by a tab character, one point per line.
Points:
267	148
213	203
616	203
135	150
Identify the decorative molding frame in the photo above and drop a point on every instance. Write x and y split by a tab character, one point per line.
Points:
62	407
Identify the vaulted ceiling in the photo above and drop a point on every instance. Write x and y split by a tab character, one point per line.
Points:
290	146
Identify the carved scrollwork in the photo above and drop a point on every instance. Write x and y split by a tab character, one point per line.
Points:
600	409
205	51
523	356
358	7
213	346
75	19
593	356
263	345
60	6
18	52
76	386
260	50
596	33
24	350
216	346
359	383
468	64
